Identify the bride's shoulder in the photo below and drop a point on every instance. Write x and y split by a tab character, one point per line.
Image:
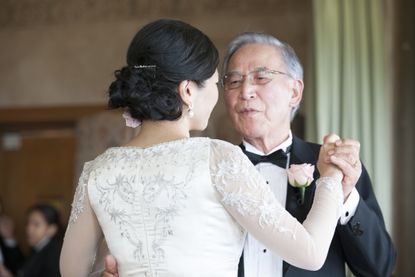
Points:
109	159
224	146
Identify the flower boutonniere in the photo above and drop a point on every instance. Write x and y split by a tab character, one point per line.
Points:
300	176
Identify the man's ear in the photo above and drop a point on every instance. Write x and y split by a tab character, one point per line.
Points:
186	92
297	92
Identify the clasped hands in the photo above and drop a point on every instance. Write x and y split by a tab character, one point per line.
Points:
344	154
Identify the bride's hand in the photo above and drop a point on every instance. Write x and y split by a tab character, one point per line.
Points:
345	155
328	169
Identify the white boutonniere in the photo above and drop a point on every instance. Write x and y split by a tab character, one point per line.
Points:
300	176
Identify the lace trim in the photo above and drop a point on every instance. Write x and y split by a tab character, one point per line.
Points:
80	193
243	189
231	176
333	185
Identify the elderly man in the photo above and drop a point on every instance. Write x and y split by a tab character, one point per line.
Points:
263	86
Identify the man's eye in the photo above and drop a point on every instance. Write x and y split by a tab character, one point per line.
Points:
262	77
234	81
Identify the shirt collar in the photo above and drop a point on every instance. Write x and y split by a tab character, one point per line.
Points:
284	145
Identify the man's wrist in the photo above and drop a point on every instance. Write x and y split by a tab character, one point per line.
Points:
349	207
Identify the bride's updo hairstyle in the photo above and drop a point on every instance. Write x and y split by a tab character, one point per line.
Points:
162	54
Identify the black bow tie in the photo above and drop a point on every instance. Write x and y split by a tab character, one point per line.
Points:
279	158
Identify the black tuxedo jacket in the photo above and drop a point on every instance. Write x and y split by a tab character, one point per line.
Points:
363	243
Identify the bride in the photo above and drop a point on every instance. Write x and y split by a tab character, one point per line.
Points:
171	205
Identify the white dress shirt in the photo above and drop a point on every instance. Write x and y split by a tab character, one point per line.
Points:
258	260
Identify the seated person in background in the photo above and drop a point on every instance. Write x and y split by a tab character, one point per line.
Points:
44	235
11	257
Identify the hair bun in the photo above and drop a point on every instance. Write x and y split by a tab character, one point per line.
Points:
137	89
131	87
165	53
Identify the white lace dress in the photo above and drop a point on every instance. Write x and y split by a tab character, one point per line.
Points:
182	208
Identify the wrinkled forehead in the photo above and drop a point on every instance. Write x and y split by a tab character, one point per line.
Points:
252	56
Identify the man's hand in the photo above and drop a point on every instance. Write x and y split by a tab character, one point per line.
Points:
111	268
344	153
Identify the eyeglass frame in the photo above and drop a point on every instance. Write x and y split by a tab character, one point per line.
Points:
251	80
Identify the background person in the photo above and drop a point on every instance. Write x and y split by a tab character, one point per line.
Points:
11	257
44	235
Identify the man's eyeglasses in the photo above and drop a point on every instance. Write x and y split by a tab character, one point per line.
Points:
261	76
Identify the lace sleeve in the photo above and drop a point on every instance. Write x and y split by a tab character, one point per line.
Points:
247	197
80	192
83	234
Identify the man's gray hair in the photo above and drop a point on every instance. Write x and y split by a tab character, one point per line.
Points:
293	65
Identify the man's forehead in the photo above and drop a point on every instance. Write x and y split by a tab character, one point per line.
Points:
252	56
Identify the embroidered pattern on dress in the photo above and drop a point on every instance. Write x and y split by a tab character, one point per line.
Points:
144	192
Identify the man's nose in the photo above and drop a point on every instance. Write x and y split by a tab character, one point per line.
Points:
247	89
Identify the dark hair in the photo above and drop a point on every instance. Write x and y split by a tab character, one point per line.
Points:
161	55
49	213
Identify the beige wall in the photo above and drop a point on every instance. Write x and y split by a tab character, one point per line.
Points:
55	53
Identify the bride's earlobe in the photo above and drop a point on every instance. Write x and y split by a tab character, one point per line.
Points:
190	112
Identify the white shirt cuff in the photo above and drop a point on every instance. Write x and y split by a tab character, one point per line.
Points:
349	207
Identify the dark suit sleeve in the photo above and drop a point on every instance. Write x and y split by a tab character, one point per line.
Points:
367	246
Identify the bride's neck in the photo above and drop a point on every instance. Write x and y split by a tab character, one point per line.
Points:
155	132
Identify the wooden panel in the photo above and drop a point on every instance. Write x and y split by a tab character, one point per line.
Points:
37	159
46	114
41	169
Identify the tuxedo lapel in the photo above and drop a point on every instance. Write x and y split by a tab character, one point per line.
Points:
301	152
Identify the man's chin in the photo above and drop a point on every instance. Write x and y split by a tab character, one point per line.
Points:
250	132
